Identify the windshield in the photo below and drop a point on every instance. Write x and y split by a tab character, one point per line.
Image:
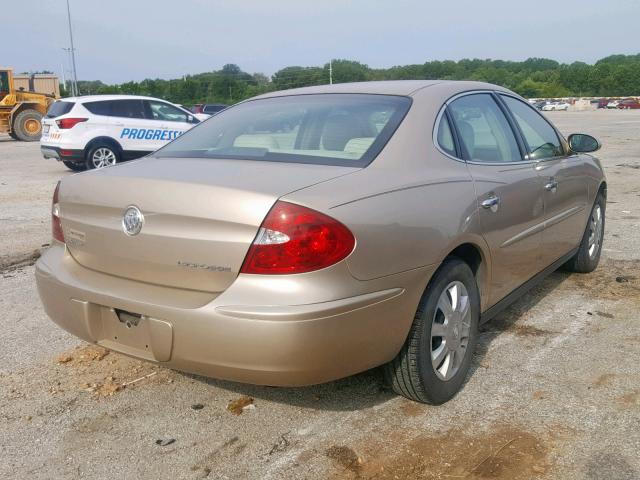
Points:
328	129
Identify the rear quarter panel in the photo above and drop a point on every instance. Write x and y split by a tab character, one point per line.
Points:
411	206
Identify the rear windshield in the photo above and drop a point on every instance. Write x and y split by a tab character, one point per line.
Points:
328	129
59	108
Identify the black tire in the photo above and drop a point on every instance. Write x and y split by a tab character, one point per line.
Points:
27	125
105	147
13	135
586	260
411	374
76	167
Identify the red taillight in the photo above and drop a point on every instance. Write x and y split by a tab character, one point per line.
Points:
66	123
296	239
56	226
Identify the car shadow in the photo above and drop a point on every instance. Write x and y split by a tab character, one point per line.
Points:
368	389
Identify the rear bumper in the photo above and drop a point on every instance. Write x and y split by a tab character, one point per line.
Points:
66	154
284	345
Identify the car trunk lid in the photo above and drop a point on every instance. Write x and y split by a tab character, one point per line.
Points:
200	216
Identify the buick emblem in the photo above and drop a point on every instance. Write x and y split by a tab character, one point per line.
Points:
132	221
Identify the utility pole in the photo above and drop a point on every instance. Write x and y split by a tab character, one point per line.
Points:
64	81
330	72
72	90
73	53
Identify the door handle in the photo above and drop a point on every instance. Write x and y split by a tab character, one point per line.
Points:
491	203
552	186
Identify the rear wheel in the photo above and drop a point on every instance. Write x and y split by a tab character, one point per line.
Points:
76	167
588	256
435	359
102	155
13	135
27	126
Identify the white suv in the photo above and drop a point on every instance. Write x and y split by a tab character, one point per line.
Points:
96	131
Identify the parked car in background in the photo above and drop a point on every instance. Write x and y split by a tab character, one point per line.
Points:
613	104
208	108
602	103
554	106
285	241
539	104
101	130
629	103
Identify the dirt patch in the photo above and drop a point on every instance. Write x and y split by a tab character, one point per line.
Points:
505	452
239	405
505	324
628	165
102	373
612	280
345	457
83	355
539	395
10	263
629	399
604	380
412	409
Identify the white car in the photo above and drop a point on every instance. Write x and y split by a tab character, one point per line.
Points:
613	104
101	130
556	106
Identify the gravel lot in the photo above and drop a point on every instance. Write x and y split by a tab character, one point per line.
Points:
555	391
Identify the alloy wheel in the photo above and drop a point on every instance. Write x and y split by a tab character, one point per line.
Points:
450	330
595	231
103	157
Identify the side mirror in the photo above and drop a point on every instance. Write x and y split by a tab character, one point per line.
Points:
583	143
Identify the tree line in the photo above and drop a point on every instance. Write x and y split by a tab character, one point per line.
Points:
613	76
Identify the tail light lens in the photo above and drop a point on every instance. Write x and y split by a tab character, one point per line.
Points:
296	239
56	226
66	123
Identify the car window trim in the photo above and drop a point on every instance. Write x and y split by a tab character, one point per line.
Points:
515	128
465	154
454	134
522	162
560	138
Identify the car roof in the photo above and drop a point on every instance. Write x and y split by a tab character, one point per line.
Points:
94	98
387	87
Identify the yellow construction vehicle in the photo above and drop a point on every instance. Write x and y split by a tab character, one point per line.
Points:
21	110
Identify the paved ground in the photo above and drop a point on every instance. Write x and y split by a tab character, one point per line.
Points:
555	390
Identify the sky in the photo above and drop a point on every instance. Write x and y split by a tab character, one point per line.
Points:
122	40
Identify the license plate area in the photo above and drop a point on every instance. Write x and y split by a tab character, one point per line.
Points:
45	129
136	334
129	319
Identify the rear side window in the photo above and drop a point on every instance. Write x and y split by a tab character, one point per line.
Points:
328	129
445	137
484	131
127	108
59	108
99	108
541	138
